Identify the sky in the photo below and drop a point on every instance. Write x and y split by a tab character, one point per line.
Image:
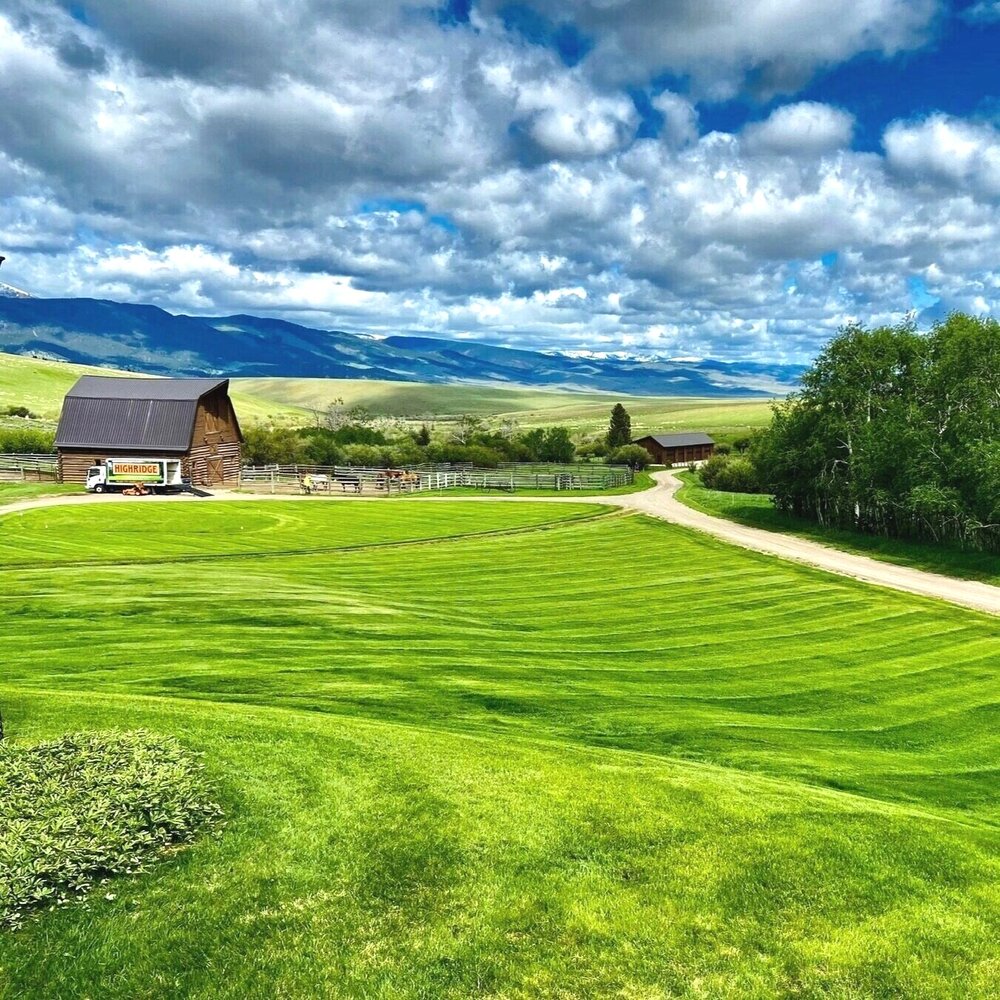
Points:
733	179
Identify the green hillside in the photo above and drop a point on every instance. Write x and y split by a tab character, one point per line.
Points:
584	413
584	755
41	385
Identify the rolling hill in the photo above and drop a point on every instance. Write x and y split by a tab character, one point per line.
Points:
41	384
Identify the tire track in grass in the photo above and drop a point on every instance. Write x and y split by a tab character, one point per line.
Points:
488	735
545	526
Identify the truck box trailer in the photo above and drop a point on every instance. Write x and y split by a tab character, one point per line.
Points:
156	474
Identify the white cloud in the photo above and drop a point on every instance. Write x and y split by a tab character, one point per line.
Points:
947	149
680	119
984	12
803	129
719	42
379	173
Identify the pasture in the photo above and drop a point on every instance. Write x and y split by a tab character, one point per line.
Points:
584	413
511	750
41	385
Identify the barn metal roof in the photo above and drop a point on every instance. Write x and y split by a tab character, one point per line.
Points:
144	414
680	440
114	387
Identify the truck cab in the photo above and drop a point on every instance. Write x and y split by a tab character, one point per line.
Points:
96	480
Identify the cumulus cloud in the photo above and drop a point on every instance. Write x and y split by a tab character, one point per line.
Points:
804	129
948	150
360	165
781	43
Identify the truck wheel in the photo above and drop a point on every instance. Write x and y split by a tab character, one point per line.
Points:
98	488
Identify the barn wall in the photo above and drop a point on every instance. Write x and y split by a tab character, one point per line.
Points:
661	455
215	454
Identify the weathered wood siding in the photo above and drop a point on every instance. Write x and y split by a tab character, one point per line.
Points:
215	454
213	458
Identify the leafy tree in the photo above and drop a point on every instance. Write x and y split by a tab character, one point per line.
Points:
534	444
265	445
467	425
894	433
423	436
619	428
557	446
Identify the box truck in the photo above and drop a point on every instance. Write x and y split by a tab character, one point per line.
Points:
156	474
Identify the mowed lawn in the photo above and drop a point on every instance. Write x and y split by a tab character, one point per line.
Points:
581	755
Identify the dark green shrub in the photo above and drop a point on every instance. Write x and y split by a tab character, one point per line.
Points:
20	411
89	806
633	455
730	474
264	445
26	441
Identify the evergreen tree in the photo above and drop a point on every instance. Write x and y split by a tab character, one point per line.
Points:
620	428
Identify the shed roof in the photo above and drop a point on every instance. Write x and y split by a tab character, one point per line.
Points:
137	413
679	440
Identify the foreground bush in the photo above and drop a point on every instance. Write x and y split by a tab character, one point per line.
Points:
90	806
730	474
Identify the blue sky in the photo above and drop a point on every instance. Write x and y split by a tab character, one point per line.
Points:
734	179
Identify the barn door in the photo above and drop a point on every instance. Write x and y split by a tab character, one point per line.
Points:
214	471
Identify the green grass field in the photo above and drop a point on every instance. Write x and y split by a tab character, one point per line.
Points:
756	510
584	755
583	413
12	492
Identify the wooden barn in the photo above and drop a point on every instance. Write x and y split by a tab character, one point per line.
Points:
677	449
187	418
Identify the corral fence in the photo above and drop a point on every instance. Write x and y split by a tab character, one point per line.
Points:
29	468
328	479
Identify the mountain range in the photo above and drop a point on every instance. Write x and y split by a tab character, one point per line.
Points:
149	339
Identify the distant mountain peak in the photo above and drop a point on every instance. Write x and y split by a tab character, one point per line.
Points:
146	338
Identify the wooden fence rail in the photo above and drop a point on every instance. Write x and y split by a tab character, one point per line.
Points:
28	468
509	478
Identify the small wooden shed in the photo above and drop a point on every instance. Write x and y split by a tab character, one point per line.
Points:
192	419
677	449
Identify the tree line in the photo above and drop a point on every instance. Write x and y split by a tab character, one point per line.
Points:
357	438
894	433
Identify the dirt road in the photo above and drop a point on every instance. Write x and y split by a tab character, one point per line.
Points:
660	502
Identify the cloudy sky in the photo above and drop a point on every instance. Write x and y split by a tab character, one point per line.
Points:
725	178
